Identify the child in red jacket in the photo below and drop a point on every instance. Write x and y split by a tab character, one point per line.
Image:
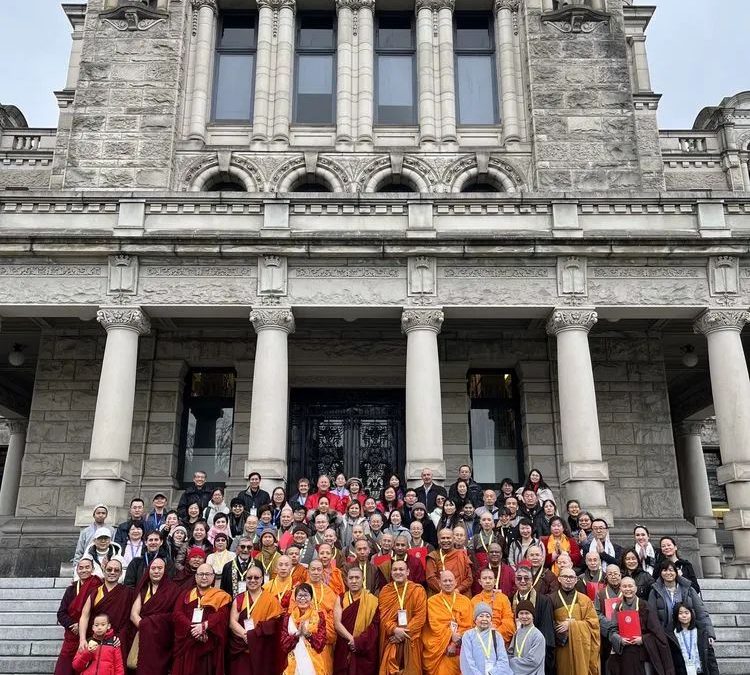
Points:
101	656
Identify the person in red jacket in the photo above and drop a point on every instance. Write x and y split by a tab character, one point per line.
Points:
102	655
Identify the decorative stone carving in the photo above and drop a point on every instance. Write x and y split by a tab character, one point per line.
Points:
345	272
355	5
496	272
17	426
511	5
136	15
721	319
422	279
689	428
571	319
571	277
723	278
133	318
123	274
427	319
280	318
272	275
571	18
435	5
211	4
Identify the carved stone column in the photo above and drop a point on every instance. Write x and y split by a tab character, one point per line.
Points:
505	37
269	408
583	472
345	90
730	385
696	495
205	34
446	75
263	77
365	55
426	71
108	470
282	108
424	416
12	469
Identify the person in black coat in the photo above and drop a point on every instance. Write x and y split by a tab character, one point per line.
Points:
253	497
668	551
631	566
139	566
198	493
427	492
136	516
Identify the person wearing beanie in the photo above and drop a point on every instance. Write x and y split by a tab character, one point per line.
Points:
482	647
86	537
528	648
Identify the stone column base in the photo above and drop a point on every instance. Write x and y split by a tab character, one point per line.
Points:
272	471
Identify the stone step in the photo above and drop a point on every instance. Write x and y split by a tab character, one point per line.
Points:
10	618
36	593
29	605
737	607
710	584
733	666
29	648
721	594
733	635
30	582
734	650
32	633
42	664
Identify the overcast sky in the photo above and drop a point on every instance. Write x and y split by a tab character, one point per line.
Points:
694	46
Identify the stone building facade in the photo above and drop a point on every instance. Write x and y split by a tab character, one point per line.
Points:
423	275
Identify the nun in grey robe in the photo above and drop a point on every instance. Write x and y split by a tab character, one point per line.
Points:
528	647
483	651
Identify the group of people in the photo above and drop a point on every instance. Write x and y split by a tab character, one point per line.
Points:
334	581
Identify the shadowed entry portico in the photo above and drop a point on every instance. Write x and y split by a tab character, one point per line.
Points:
359	432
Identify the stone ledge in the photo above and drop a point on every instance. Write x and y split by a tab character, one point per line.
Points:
107	469
592	470
737	519
734	472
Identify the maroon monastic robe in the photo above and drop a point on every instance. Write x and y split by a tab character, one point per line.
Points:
156	632
261	653
116	604
69	613
364	659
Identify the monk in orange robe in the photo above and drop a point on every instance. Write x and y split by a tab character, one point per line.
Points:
447	558
403	612
331	574
254	626
282	584
324	600
299	571
200	620
449	616
503	620
357	622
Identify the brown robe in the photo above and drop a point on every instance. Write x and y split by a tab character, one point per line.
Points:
260	653
364	659
156	633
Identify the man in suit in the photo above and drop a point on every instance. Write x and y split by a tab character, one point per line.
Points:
427	492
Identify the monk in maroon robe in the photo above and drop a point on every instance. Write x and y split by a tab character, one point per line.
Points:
69	613
155	600
357	620
200	620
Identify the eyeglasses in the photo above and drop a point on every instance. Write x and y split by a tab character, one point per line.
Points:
204	574
242	547
567	576
256	578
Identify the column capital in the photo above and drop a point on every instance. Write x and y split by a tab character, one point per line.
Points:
424	319
131	318
17	426
355	5
689	428
211	4
721	319
277	318
510	5
277	4
435	5
563	319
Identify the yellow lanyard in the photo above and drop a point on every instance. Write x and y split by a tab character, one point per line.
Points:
364	575
269	565
538	576
194	594
497	576
442	560
452	605
283	590
486	648
315	596
246	605
519	648
568	608
401	596
484	546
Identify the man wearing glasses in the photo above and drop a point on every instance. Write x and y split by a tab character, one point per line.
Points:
576	628
200	619
233	573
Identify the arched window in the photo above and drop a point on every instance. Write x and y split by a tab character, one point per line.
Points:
396	184
224	183
481	184
310	186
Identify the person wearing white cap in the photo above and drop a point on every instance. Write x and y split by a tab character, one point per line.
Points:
86	538
102	550
482	647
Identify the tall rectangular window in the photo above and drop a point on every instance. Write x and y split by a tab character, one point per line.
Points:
496	450
315	69
234	77
207	423
395	69
476	83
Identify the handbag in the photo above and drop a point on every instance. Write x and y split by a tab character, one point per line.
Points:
133	654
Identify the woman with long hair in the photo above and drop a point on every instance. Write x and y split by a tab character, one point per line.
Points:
389	501
451	516
535	482
630	565
559	541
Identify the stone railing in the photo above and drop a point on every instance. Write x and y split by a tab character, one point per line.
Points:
28	140
688	142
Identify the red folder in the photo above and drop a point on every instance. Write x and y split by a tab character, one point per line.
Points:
609	606
592	588
628	623
420	553
380	559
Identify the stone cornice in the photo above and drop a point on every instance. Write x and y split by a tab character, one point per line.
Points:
688	428
276	318
435	5
211	4
721	319
277	4
422	319
131	318
571	319
17	426
511	5
355	5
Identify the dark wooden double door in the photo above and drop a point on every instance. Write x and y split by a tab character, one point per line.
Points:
359	432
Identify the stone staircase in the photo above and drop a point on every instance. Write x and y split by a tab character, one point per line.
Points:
30	637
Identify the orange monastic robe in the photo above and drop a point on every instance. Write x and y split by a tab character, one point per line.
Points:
502	613
281	590
455	561
324	601
334	580
580	654
299	575
402	658
442	609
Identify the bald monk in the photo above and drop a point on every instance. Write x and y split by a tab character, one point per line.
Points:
331	574
299	571
447	558
401	552
403	612
576	629
544	581
357	622
282	584
371	578
449	616
254	626
503	620
200	620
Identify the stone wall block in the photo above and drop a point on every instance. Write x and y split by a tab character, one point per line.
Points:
79	347
662	503
72	465
162	432
617	433
44	432
42	465
79	432
36	501
69	499
653	434
625	503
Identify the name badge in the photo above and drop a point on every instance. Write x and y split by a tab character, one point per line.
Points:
454	627
402	620
197	615
253	511
691	669
487	668
249	625
241	587
266	578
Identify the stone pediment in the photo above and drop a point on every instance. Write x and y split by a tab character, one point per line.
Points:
576	18
133	15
